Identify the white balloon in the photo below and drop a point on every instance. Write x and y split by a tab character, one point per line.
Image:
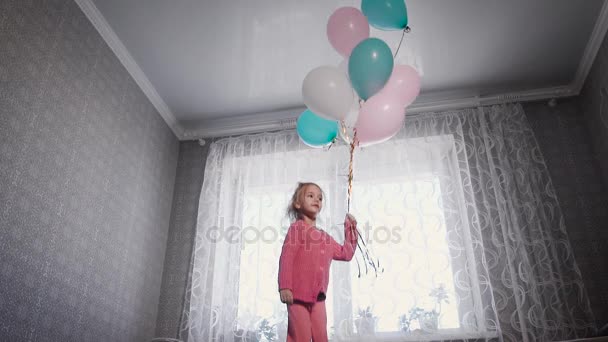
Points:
326	92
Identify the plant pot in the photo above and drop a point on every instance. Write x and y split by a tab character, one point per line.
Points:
366	326
429	324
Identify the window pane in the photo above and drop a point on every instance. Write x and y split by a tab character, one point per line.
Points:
264	228
405	229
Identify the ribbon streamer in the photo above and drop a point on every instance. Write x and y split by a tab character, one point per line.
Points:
407	29
350	170
366	254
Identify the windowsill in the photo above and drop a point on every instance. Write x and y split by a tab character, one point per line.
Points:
442	335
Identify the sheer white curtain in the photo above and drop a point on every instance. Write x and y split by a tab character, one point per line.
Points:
457	209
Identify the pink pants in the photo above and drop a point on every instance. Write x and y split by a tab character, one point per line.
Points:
306	321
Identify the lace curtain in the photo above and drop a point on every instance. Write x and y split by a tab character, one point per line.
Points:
457	210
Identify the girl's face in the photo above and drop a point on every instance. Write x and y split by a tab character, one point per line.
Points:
310	201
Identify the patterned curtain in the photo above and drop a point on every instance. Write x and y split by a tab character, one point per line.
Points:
458	213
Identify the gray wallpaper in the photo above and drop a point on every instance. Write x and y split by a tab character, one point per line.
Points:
594	104
87	170
594	101
563	137
188	183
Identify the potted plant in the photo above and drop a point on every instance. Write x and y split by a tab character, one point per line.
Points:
424	318
441	295
428	320
266	331
405	323
366	322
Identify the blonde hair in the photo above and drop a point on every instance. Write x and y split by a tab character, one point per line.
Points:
292	212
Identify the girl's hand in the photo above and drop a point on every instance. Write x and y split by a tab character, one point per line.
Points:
351	218
286	296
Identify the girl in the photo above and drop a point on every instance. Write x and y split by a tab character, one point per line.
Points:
304	264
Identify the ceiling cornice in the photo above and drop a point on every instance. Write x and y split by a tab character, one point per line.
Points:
284	119
261	122
243	124
593	45
110	37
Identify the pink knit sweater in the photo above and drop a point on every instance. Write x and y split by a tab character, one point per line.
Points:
306	257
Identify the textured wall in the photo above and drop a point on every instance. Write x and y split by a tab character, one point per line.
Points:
87	169
594	101
564	140
188	183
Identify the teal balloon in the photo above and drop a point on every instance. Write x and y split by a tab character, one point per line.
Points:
370	66
385	14
316	131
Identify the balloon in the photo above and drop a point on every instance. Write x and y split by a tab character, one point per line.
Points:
385	14
316	131
346	28
380	118
327	92
405	82
369	67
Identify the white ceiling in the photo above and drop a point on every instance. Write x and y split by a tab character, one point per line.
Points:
212	63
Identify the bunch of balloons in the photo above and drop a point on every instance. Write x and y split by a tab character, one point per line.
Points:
367	93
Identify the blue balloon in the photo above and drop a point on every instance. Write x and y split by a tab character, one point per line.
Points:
370	66
316	131
385	14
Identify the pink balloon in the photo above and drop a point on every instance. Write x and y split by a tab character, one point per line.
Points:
405	83
346	28
380	118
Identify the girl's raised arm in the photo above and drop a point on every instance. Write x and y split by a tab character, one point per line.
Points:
347	250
